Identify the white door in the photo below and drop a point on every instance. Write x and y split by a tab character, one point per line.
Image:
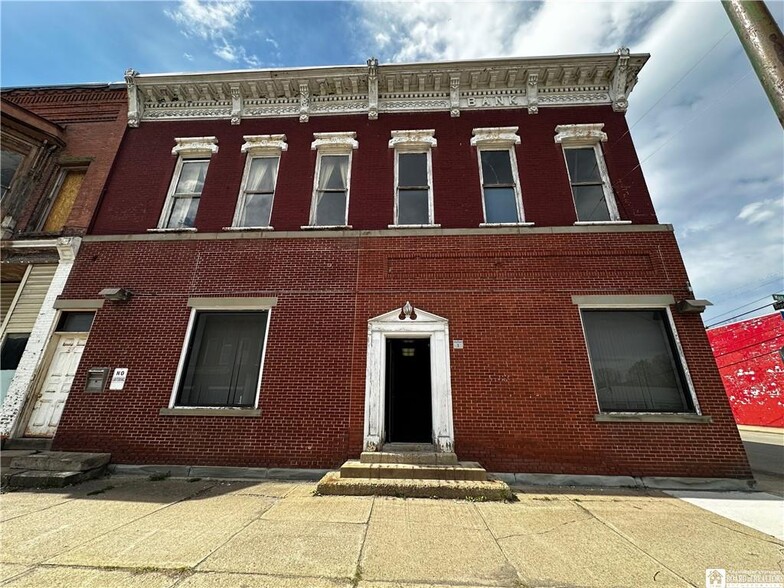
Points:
51	399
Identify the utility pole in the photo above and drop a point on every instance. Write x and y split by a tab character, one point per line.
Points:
764	44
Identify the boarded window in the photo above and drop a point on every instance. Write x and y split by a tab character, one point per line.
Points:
66	193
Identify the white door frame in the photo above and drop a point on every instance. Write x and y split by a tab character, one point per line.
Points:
425	325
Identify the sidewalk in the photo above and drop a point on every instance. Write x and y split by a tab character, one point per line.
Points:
124	531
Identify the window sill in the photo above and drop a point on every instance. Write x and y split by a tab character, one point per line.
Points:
325	227
177	230
267	228
221	412
609	222
651	417
413	226
492	225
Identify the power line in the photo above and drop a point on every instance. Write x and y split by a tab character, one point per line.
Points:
738	315
741	306
745	289
749	359
751	345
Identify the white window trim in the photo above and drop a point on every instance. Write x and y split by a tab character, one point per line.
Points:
184	148
499	139
340	143
225	305
636	303
414	141
258	147
582	136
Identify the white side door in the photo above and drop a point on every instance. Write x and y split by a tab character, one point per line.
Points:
51	399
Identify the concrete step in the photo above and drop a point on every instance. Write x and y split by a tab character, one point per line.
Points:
410	457
48	479
8	454
408	447
334	484
467	470
60	461
36	443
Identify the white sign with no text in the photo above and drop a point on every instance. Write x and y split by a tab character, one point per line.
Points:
118	379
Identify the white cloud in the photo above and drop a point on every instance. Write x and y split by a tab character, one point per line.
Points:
188	56
218	22
709	144
759	212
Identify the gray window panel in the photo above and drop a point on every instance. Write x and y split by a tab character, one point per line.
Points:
257	210
9	162
497	168
412	170
183	213
224	360
11	354
500	205
635	363
583	166
334	172
75	322
590	203
413	207
261	176
331	209
192	177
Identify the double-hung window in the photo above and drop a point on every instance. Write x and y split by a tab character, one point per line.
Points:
221	363
257	192
413	177
636	360
594	201
182	201
501	198
329	208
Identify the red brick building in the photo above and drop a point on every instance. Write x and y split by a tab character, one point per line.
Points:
305	264
751	363
58	145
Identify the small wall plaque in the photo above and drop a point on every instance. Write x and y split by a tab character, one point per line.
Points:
457	344
118	379
96	379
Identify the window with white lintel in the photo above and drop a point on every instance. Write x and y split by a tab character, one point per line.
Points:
332	181
413	178
259	179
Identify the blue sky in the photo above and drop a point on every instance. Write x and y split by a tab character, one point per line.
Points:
711	148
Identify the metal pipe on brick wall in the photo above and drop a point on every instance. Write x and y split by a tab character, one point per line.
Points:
763	42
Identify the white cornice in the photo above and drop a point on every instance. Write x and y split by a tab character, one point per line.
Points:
587	134
344	140
193	146
416	138
261	144
373	89
495	136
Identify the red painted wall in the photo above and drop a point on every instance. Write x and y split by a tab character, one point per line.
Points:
523	395
136	191
752	368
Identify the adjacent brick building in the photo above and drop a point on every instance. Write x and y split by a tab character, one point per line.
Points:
750	356
304	264
58	145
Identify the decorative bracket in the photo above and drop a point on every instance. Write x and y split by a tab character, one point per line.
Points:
372	88
236	104
620	86
533	92
135	105
304	102
454	95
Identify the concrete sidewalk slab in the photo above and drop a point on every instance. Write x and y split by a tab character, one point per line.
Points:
268	489
92	578
758	510
333	509
289	548
8	571
220	580
181	535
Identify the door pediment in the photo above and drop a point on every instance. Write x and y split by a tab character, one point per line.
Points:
393	316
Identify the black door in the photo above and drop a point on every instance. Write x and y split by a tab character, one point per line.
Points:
408	408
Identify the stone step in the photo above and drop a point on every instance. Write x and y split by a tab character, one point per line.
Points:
409	457
334	484
8	454
467	470
60	461
48	479
35	443
408	447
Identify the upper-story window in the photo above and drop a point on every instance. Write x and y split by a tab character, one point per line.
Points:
57	207
257	191
182	201
594	201
413	177
10	162
332	182
501	197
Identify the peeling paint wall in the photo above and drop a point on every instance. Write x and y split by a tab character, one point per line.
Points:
752	368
